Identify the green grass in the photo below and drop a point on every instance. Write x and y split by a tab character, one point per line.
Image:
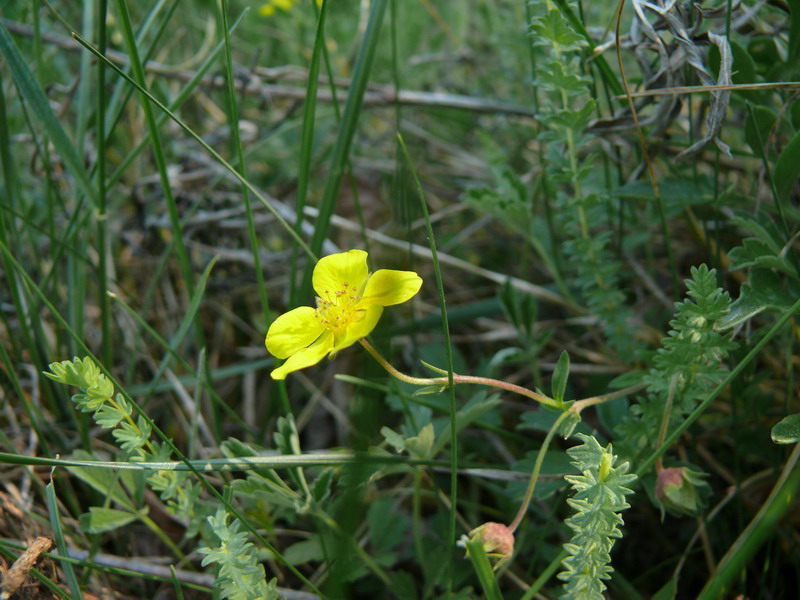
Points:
171	175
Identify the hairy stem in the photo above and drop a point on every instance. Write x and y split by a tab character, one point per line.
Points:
443	381
523	509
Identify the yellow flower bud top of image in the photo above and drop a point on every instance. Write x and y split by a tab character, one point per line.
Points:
350	300
270	8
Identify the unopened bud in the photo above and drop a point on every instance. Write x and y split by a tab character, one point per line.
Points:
681	491
497	540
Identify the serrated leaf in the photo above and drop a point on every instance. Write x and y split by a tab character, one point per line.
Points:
755	253
421	444
108	417
99	519
787	430
560	376
576	120
766	232
554	77
552	29
394	439
132	438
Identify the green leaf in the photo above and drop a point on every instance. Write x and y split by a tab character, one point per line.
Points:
304	551
99	519
763	291
483	568
394	439
554	77
787	431
387	527
786	169
61	543
104	481
794	32
668	592
560	376
757	124
32	92
553	29
421	444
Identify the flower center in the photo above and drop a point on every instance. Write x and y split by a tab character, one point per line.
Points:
338	308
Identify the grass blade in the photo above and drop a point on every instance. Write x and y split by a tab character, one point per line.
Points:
448	348
61	544
344	139
32	92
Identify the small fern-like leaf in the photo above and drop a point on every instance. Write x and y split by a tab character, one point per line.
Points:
600	492
241	576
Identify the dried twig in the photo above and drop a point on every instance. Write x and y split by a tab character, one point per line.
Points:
19	571
375	96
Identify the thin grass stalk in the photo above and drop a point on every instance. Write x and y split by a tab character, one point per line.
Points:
344	139
762	154
448	348
673	437
32	92
121	94
646	157
182	96
755	534
544	184
61	544
307	141
189	131
483	568
226	465
34	414
158	151
171	348
10	199
107	348
237	143
153	426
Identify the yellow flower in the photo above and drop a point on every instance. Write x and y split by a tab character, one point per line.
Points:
350	301
266	10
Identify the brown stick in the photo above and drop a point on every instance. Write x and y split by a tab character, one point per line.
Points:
21	568
375	95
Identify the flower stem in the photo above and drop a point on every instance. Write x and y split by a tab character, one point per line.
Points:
443	381
579	405
662	432
523	509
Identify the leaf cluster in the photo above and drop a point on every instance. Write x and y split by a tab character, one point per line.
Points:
241	576
599	497
689	364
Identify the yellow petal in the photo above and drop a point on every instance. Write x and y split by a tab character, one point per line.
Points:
293	331
266	10
305	357
335	270
387	287
358	329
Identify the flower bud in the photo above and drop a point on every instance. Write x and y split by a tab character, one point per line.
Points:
681	491
497	540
